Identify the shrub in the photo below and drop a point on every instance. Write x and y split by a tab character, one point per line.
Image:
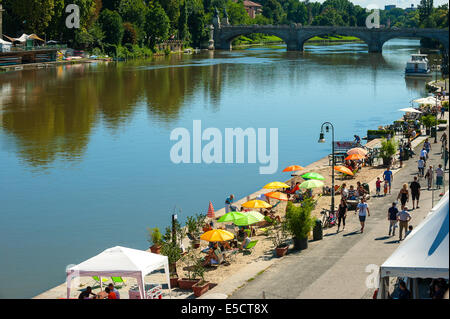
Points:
387	150
155	236
298	219
428	120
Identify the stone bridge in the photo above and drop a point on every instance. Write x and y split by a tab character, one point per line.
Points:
295	36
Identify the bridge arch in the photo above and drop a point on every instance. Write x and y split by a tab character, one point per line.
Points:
303	38
416	35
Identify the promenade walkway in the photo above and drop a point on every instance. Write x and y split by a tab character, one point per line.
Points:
335	267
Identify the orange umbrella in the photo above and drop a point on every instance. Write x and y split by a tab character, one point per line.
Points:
277	195
210	213
293	168
343	169
357	150
354	157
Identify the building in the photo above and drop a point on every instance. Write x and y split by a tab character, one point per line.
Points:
389	7
252	8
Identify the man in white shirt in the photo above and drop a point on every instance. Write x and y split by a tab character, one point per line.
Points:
423	154
403	217
421	167
363	210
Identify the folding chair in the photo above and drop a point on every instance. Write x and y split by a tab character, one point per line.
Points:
250	245
118	280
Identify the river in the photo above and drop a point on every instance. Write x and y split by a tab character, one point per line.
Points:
85	149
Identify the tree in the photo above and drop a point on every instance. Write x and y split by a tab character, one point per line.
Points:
172	9
112	26
157	24
197	22
129	34
91	38
183	30
133	11
272	9
33	15
425	9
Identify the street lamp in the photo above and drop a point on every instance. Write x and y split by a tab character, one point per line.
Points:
322	140
435	96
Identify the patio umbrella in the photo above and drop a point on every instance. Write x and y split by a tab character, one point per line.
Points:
276	185
357	150
256	203
293	168
343	169
410	110
313	175
230	217
249	219
426	100
217	235
210	213
312	183
354	157
277	195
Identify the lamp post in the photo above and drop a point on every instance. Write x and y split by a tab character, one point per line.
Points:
322	140
435	97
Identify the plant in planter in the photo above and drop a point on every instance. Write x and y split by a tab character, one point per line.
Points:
279	239
388	150
299	222
191	261
428	121
201	286
155	239
173	253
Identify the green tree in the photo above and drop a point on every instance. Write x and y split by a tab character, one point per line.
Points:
157	24
91	38
197	22
183	30
236	13
34	15
129	34
273	10
133	11
112	26
172	9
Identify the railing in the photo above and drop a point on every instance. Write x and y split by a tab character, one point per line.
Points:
38	48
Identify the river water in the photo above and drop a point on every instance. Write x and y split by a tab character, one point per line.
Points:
85	149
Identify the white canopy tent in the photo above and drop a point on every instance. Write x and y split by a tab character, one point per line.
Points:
424	253
120	262
5	42
410	110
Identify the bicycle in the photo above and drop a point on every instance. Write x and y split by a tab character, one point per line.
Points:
328	219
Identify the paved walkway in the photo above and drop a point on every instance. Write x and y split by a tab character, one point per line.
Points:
335	267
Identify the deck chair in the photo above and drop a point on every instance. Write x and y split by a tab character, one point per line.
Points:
97	280
249	247
118	280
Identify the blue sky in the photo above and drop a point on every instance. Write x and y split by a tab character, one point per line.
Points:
382	3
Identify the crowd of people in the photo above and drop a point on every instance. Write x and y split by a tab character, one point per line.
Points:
110	292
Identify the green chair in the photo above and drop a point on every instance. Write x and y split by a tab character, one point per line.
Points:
97	280
248	248
118	280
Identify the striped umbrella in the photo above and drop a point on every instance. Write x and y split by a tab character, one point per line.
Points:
210	213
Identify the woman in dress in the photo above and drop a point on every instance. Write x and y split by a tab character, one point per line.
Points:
403	195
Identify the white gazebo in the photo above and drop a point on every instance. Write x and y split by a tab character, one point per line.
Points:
423	254
120	262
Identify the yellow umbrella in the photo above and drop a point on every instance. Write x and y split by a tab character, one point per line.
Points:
217	235
276	185
256	203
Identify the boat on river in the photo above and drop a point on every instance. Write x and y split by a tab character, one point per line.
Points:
418	66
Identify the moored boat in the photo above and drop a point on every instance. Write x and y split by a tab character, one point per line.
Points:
417	66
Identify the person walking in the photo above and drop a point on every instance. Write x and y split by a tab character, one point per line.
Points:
378	187
421	167
415	192
445	157
424	154
342	214
430	176
403	195
443	139
389	177
427	146
439	176
228	203
363	211
403	217
392	218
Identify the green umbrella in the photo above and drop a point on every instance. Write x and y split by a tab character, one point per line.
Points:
312	183
249	219
312	175
231	217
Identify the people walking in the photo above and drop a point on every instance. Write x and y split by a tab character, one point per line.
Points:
389	177
421	167
363	211
445	157
403	217
392	218
228	203
378	187
415	192
439	176
429	176
443	139
403	195
427	146
424	154
342	214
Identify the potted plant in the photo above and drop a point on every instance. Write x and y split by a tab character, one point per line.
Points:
429	121
201	286
192	231
156	240
388	150
173	253
279	239
299	222
191	261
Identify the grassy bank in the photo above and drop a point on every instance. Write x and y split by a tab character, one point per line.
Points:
260	39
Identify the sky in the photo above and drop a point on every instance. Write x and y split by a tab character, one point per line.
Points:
382	3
